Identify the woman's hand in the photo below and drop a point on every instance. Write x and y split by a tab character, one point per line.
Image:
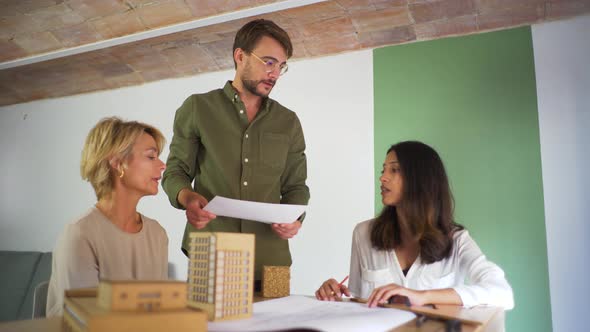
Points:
331	290
382	294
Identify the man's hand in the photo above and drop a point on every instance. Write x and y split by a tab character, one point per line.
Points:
287	231
194	204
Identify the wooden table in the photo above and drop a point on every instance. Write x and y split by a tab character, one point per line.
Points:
53	324
485	319
491	319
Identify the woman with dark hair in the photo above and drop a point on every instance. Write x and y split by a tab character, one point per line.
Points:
414	248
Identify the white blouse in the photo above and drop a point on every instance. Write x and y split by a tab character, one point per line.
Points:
466	270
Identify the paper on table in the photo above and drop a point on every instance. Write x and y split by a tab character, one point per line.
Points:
263	212
297	311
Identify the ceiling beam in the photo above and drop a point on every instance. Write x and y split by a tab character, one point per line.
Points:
198	23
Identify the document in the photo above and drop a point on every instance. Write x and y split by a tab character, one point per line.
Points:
298	311
264	212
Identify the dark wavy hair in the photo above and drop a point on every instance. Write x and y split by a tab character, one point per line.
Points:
249	35
427	204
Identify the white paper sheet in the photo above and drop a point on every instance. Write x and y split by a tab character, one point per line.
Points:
263	212
298	311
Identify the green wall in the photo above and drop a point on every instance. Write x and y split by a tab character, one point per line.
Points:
473	99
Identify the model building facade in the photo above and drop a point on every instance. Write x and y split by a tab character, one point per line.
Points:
142	296
221	274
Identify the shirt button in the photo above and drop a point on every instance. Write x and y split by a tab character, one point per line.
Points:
245	159
246	135
241	111
245	183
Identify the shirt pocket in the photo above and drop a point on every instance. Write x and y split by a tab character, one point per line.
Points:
376	278
437	281
273	150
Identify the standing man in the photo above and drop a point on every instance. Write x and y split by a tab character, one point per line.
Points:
238	143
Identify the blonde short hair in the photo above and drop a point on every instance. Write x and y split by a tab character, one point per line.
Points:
111	137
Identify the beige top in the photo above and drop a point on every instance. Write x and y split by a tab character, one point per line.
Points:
93	248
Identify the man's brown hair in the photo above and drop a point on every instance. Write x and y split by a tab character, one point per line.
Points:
250	34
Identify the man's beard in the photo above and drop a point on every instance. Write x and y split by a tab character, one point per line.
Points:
251	86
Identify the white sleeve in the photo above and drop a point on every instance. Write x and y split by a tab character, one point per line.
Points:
354	277
487	284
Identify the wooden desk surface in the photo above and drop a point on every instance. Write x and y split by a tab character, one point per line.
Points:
495	323
493	317
46	325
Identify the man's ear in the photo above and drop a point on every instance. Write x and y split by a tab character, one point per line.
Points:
239	56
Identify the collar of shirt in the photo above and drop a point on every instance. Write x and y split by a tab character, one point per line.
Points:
232	94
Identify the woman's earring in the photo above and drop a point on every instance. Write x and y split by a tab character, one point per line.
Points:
122	173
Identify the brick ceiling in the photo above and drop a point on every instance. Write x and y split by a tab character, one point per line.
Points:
29	28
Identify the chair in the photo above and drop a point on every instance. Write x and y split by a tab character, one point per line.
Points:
22	271
40	299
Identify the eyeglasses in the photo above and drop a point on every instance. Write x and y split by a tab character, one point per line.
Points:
271	64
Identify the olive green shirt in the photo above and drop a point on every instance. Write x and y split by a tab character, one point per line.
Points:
262	161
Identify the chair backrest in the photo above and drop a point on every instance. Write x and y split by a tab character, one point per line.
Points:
21	272
40	299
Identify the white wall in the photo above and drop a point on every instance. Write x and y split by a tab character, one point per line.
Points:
562	53
41	189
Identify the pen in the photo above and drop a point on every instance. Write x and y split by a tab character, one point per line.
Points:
342	282
340	285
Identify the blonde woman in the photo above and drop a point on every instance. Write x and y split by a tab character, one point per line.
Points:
112	240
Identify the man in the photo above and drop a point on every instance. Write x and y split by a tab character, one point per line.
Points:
238	143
